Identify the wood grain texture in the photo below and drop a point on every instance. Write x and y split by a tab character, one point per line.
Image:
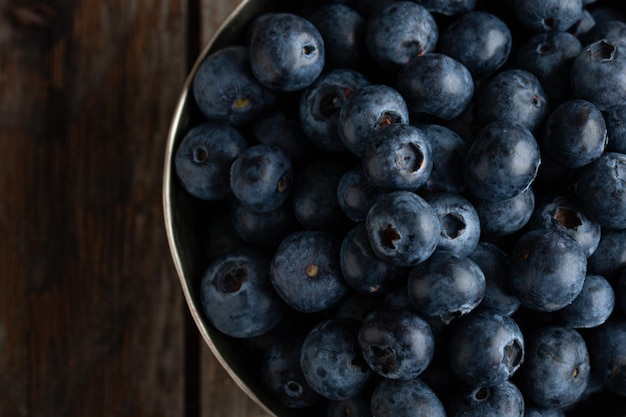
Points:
91	313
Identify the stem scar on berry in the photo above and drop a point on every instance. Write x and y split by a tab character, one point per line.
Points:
567	217
601	50
523	256
388	235
241	103
232	280
312	270
283	184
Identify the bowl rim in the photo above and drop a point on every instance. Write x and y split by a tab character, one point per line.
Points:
173	137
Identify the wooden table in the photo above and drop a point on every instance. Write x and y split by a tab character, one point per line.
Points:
92	317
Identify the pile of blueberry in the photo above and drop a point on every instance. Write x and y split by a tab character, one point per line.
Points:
418	208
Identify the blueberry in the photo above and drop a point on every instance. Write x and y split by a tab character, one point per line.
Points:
611	28
547	269
607	350
399	399
320	105
314	197
356	194
448	7
493	262
564	212
602	190
357	306
282	376
397	158
236	295
501	400
396	343
357	406
486	348
305	271
265	229
513	95
592	307
225	89
276	129
203	159
532	410
366	110
436	85
460	225
575	134
548	15
261	177
448	151
502	161
446	286
599	74
616	129
479	40
361	268
556	369
549	57
343	30
286	52
332	362
609	258
393	48
402	228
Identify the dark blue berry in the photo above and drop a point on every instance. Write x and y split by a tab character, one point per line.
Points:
479	40
448	151
398	398
305	271
282	376
602	190
547	269
446	286
261	178
393	48
486	348
362	269
397	158
286	52
460	225
502	161
513	95
501	400
548	15
599	74
592	307
556	367
575	134
203	159
237	296
225	89
343	30
396	343
356	194
435	84
493	262
314	197
366	110
549	57
402	228
320	105
332	362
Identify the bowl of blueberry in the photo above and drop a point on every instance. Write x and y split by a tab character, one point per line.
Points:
408	208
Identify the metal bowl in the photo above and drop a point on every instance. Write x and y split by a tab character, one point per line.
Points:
186	223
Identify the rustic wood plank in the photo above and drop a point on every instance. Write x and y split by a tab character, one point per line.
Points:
91	312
